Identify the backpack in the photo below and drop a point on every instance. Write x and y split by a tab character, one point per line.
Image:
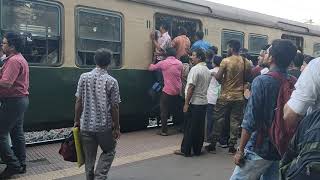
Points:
279	132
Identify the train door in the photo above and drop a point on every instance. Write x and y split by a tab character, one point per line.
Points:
174	22
297	40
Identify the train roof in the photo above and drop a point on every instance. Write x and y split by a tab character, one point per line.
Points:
221	11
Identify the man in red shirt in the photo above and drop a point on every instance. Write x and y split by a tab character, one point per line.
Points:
14	85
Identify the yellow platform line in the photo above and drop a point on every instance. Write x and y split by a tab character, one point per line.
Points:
117	162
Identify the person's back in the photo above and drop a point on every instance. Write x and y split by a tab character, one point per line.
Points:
181	43
233	81
97	115
302	160
200	43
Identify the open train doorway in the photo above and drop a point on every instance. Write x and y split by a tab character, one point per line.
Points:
176	22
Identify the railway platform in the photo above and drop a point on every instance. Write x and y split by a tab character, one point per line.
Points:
141	155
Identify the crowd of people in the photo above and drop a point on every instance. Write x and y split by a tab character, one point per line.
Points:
237	101
270	109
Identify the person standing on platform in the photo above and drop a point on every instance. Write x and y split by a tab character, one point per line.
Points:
97	115
14	85
171	69
195	105
233	74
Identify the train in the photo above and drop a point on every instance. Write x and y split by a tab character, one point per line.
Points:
62	36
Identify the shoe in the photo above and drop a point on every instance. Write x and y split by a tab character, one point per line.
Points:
232	150
23	169
9	172
210	149
178	152
223	144
162	133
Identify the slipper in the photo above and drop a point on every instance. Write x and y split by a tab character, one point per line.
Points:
178	152
162	134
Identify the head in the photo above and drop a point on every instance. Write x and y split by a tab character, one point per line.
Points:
281	53
171	52
217	61
214	49
199	35
209	54
233	47
198	56
262	55
164	28
12	43
298	60
182	31
103	57
185	59
244	53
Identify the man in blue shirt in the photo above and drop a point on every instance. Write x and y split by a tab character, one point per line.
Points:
200	43
254	159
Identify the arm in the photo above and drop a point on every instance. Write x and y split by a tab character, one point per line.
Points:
78	107
78	111
188	97
115	100
219	74
10	74
304	96
154	67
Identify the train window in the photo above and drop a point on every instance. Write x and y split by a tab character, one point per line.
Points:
228	35
297	40
174	22
39	23
316	50
256	43
98	29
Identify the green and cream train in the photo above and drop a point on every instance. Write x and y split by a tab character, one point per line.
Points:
62	36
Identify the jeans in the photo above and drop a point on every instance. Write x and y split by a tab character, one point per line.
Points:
90	142
11	122
256	168
209	117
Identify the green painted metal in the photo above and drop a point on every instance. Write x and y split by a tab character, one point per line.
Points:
52	95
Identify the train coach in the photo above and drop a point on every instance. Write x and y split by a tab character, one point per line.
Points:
62	36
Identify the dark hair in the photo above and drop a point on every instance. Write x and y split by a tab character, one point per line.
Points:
165	26
102	57
283	52
199	34
234	44
245	53
15	40
209	54
200	54
308	58
171	51
217	60
182	31
266	47
185	59
214	49
298	60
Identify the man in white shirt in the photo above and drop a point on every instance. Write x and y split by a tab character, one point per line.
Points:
195	105
306	98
